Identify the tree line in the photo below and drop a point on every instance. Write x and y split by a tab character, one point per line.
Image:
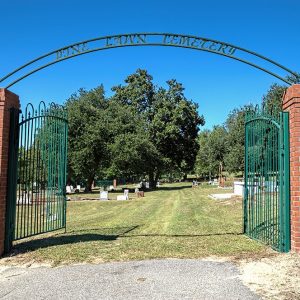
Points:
146	131
222	148
142	130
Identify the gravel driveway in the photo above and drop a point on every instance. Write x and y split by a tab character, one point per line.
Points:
151	279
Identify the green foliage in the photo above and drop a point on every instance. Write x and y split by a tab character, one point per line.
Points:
89	134
235	127
272	101
141	130
163	128
223	145
212	151
203	164
145	130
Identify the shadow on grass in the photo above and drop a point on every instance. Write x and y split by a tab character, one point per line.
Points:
71	237
107	234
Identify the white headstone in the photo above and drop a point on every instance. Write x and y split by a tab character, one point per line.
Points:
103	195
126	194
147	185
238	188
24	199
68	189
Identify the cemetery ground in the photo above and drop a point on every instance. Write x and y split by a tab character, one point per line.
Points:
173	222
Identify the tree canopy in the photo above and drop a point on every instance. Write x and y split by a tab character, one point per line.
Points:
88	134
141	130
145	130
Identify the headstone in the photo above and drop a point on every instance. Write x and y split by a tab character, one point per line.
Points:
126	193
103	195
238	188
147	185
25	198
140	194
68	189
271	186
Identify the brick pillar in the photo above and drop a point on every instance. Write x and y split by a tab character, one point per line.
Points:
7	100
291	103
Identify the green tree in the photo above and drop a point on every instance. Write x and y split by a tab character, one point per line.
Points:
89	134
212	151
272	100
203	163
166	129
235	127
175	126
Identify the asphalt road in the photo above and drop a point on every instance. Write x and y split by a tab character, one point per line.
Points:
151	279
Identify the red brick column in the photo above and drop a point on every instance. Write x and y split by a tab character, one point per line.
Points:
7	100
291	103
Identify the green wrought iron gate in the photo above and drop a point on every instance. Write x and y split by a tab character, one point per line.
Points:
36	200
267	186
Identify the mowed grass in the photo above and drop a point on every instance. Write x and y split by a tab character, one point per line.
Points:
175	221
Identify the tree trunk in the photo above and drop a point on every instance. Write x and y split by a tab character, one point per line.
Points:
152	183
89	184
156	178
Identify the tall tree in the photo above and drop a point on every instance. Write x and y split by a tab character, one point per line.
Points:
203	165
235	127
89	134
212	151
167	123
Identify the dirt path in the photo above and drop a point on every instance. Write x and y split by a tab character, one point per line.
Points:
276	277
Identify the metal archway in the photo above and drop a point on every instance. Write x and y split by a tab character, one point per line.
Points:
148	39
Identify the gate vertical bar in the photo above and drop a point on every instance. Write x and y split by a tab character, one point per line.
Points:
281	189
65	179
12	179
286	179
245	227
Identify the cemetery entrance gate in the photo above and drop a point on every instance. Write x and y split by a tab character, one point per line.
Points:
36	171
32	200
267	178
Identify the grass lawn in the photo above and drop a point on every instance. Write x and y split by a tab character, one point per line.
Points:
175	221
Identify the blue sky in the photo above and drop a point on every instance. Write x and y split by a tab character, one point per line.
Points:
218	84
